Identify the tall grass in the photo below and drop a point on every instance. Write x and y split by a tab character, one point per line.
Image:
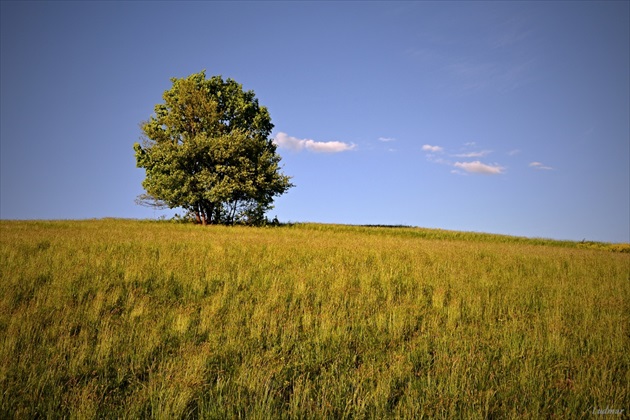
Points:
115	318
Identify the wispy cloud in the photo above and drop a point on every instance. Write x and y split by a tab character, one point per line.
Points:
285	141
474	76
473	154
510	32
386	139
513	152
498	59
477	167
540	166
432	149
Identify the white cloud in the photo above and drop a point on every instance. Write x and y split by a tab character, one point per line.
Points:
474	154
513	152
464	168
328	146
477	167
386	139
456	172
538	165
285	141
432	149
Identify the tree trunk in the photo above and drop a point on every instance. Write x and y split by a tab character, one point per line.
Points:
209	213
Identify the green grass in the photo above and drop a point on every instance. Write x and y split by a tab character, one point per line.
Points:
117	318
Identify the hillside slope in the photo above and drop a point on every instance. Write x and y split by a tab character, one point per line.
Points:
123	318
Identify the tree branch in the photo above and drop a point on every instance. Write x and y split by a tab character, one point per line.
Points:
147	200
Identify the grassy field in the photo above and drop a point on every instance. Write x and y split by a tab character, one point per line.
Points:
118	318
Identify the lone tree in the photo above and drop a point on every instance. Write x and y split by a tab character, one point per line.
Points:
207	150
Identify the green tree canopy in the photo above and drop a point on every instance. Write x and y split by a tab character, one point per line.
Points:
207	150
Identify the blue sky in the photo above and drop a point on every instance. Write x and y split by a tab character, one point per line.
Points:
499	117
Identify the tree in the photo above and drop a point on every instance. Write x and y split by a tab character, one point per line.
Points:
207	150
